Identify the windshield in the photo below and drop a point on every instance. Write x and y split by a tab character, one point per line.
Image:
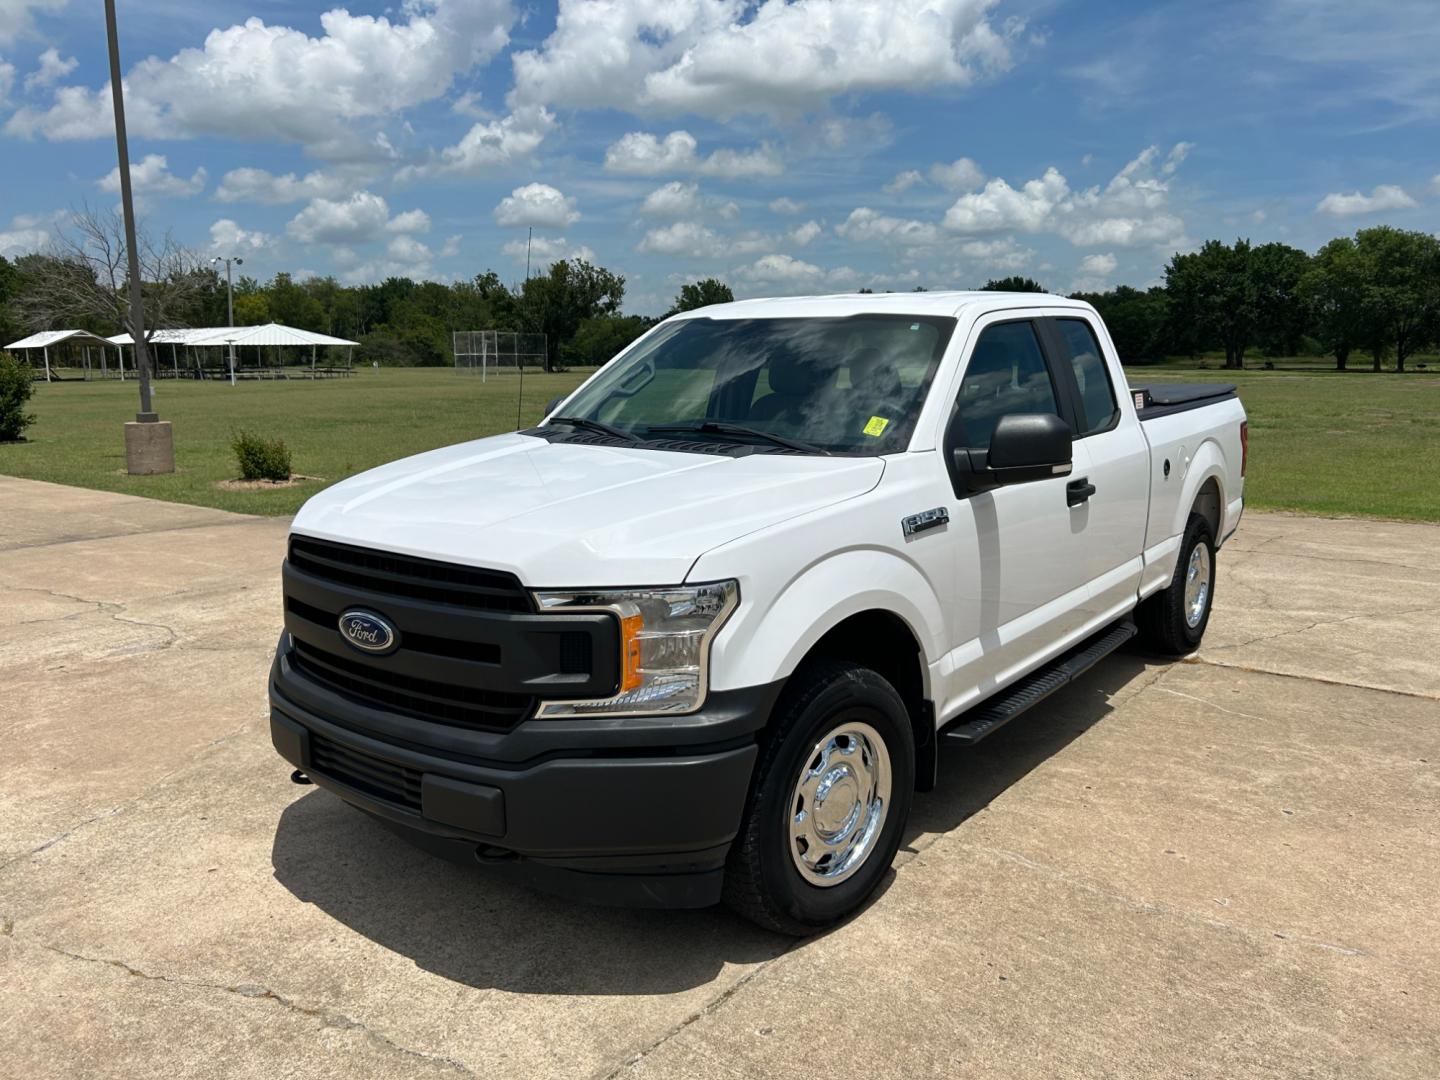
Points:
845	386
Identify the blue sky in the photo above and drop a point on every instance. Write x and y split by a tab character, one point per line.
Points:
813	146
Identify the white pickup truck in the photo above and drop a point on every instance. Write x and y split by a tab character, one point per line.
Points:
697	635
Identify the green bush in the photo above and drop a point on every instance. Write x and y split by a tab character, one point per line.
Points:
261	458
16	386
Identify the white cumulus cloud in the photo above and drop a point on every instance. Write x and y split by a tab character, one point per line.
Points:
17	16
1381	198
867	226
676	199
51	70
363	216
640	153
1132	209
689	238
904	181
229	239
261	186
537	204
787	205
547	249
962	174
722	57
489	146
245	81
151	176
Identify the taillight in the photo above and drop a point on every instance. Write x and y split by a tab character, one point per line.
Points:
1244	445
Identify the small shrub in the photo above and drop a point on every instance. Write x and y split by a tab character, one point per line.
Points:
261	458
16	386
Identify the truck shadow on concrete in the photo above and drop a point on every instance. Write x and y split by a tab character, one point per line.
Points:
468	925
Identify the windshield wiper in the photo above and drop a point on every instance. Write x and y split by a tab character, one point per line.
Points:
724	427
597	425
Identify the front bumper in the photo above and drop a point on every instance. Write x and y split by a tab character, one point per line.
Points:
632	810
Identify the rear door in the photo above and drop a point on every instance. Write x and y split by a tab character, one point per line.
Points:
1023	569
1112	518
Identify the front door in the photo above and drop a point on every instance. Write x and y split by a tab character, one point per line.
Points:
1022	573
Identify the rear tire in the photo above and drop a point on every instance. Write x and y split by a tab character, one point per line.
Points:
829	801
1173	620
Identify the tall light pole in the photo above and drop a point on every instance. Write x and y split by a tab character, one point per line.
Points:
148	444
229	301
229	285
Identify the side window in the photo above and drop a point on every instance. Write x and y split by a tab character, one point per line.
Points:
1097	397
1006	374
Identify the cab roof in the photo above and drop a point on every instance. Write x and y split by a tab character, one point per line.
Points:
839	305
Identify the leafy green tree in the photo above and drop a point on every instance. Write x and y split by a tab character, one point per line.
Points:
252	308
1213	291
292	305
1136	320
10	283
1276	270
1014	283
16	384
1402	290
557	302
1333	291
700	294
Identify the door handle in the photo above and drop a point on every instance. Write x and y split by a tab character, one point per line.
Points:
1078	491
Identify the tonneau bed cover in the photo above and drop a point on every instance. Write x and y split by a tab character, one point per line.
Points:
1162	399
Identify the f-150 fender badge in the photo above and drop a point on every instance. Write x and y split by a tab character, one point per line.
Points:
926	519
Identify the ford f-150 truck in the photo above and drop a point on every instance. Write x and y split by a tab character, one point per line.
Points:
698	635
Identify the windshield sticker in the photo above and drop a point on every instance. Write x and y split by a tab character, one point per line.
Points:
876	426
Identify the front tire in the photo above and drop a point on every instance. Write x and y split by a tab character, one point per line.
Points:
829	801
1173	620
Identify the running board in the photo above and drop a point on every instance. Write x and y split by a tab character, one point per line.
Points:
1034	688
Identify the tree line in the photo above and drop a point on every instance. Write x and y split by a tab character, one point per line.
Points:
1375	294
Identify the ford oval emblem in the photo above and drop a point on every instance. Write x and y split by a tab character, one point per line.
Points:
368	632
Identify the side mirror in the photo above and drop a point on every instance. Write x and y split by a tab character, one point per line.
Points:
554	403
1024	447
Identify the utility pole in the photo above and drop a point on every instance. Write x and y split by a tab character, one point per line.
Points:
149	446
229	302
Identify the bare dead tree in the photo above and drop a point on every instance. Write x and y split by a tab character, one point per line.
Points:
82	280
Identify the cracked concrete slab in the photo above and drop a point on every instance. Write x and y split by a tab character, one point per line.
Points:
1350	601
1220	868
40	514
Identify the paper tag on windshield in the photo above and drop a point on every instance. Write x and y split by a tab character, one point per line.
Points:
876	426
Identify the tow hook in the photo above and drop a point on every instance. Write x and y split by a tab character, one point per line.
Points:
488	855
298	777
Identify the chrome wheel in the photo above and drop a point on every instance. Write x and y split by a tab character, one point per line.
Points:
1197	585
839	804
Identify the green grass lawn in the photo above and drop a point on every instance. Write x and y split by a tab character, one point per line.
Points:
334	428
1320	442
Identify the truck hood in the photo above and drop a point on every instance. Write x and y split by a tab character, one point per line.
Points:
563	515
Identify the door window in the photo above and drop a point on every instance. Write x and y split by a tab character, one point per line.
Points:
1097	397
1006	374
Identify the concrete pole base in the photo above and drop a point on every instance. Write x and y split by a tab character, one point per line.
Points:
149	448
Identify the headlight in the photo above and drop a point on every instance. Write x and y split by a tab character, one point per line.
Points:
664	645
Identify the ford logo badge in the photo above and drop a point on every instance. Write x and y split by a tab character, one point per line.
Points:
368	632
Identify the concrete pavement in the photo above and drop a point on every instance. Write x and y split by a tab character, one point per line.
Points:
1225	867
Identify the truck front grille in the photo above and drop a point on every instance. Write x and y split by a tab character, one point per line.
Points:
393	691
407	576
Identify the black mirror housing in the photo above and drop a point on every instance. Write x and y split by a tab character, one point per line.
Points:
553	403
1024	447
1029	446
